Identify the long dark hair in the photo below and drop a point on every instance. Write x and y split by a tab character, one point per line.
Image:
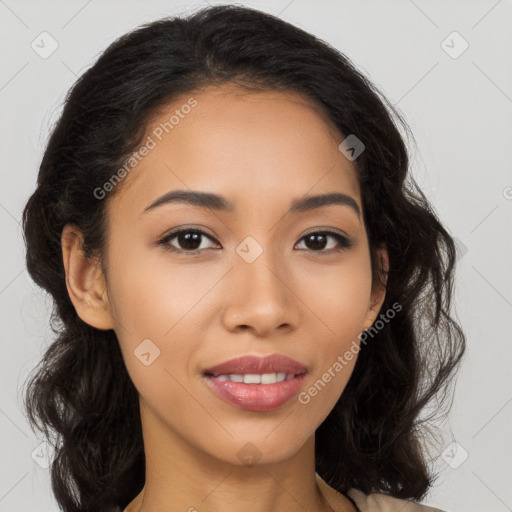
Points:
81	394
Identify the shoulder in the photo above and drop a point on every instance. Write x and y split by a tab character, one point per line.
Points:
374	502
377	502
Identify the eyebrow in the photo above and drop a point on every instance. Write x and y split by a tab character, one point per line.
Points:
219	203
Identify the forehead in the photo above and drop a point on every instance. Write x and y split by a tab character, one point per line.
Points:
252	147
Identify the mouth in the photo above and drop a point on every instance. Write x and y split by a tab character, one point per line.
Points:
256	396
256	378
255	383
249	366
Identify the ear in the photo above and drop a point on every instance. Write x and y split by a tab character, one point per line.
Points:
85	281
378	293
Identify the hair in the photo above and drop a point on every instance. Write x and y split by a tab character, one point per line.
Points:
80	392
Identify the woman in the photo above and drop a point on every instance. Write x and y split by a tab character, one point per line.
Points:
253	295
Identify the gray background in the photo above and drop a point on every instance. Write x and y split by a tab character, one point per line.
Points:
460	111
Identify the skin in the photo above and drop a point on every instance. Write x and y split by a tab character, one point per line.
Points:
260	151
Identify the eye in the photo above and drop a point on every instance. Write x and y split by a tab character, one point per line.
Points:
317	241
188	240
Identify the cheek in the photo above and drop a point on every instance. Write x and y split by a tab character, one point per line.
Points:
340	299
150	293
339	295
152	306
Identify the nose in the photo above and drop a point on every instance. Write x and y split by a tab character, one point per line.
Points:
261	298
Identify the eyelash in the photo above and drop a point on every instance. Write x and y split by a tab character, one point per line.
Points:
344	242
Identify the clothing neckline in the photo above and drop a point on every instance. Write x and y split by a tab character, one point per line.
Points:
332	496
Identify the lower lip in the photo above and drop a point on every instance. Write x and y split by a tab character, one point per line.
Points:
256	397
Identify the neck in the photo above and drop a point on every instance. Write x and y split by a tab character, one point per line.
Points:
181	477
284	486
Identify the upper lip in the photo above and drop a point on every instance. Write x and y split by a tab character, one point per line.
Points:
274	363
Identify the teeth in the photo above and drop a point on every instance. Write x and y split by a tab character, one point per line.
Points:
251	378
254	378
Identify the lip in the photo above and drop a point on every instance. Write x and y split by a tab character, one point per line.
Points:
256	397
258	365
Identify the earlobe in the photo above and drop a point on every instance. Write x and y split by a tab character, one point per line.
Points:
378	293
85	281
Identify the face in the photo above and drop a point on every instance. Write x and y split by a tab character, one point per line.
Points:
257	277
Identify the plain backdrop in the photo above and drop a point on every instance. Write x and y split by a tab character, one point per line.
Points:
445	64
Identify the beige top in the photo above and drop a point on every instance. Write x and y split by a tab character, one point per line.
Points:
374	502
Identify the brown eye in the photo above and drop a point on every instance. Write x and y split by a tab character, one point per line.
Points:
319	240
185	240
192	240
